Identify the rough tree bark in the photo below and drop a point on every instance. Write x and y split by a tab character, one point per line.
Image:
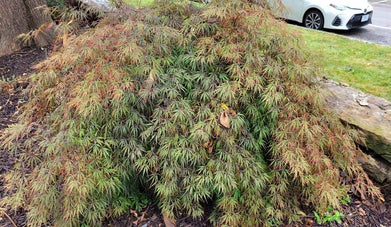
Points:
22	16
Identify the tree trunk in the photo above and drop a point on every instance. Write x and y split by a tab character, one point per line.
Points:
22	16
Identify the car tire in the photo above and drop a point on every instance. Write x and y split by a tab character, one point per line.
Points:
313	19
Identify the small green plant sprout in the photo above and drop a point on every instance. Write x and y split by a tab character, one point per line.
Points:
318	219
328	217
345	200
123	204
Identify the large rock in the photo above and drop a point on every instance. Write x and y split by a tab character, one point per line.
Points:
378	170
370	114
103	5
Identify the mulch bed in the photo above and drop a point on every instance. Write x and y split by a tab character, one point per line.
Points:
14	70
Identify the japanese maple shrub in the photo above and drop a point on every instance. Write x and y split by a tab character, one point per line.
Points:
214	106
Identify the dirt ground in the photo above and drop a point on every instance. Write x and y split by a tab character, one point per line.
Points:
14	70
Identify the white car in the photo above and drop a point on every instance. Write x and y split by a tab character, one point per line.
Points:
330	14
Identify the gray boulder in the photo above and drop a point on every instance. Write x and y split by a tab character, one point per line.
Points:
377	170
102	5
370	114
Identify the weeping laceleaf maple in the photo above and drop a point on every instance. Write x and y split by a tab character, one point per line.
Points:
217	105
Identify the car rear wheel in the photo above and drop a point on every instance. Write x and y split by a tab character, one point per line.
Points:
313	19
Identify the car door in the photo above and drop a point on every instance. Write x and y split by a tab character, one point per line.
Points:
293	9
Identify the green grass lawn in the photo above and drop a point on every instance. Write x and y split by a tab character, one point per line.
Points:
139	3
362	65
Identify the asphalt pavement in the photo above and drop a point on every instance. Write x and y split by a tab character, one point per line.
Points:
380	29
382	13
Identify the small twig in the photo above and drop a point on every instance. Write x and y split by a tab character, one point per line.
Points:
8	101
9	218
385	185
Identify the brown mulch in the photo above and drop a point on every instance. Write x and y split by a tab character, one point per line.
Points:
14	70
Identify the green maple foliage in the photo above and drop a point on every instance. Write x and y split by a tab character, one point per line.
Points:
217	105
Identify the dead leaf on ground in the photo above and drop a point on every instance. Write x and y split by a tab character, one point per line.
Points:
135	213
309	222
363	102
209	145
6	87
232	113
140	219
168	221
224	119
361	211
210	149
